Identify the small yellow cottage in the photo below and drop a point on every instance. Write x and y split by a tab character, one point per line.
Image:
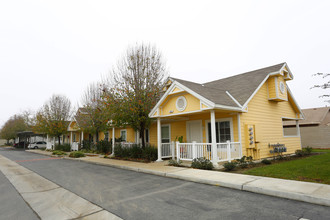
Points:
227	118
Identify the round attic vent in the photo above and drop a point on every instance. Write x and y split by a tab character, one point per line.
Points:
181	103
282	87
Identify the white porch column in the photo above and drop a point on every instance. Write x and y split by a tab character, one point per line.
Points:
113	141
298	132
214	140
71	138
239	134
82	138
159	140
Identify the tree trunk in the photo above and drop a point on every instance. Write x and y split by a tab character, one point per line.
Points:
142	136
97	136
59	140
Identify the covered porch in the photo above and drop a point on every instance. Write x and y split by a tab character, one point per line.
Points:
213	134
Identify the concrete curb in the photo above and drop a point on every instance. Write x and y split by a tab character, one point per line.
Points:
319	193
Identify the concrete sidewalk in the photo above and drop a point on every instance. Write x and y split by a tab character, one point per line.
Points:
290	189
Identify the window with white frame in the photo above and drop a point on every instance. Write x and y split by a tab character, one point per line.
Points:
223	131
123	135
165	134
74	137
290	127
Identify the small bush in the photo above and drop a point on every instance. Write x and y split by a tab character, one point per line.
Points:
77	154
175	163
265	161
202	163
230	166
149	153
308	150
63	147
300	153
103	146
58	152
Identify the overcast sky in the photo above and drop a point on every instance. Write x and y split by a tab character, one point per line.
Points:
59	47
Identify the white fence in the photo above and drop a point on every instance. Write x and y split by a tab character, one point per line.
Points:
168	150
75	146
225	151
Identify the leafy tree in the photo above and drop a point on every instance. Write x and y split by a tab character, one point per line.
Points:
53	118
92	118
326	85
13	125
135	87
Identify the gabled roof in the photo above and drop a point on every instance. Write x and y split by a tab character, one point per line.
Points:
313	116
232	93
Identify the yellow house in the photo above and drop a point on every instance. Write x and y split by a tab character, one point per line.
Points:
76	135
227	118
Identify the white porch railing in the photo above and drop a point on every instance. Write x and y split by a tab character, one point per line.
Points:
168	150
127	144
225	151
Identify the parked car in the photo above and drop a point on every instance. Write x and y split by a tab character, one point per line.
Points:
36	145
20	144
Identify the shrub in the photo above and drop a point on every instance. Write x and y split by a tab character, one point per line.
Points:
63	147
175	163
202	163
265	161
300	153
77	154
136	151
103	146
230	165
58	152
88	146
308	150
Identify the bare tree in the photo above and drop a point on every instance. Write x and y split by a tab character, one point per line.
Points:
326	85
137	80
53	118
95	119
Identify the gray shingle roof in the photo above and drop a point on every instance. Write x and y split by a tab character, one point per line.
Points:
313	116
241	86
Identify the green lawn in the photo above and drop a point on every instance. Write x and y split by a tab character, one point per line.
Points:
315	168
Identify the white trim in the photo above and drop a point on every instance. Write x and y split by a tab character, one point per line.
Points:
230	119
282	87
234	99
188	123
169	130
178	87
295	102
181	113
260	85
121	135
288	70
201	103
181	109
297	128
175	83
228	108
239	133
277	99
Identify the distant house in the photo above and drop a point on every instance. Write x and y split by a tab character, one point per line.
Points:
314	129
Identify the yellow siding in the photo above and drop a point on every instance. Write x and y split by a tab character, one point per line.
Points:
129	132
176	89
169	104
178	128
272	88
267	117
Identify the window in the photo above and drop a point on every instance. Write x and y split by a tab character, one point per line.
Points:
290	128
106	136
123	134
147	135
181	103
222	131
166	134
74	138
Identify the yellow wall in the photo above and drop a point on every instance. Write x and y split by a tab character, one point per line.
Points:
271	88
129	132
178	128
169	104
274	91
267	117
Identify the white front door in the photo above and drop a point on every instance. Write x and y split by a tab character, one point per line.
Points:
194	131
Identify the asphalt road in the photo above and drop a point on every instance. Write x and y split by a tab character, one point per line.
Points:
132	195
